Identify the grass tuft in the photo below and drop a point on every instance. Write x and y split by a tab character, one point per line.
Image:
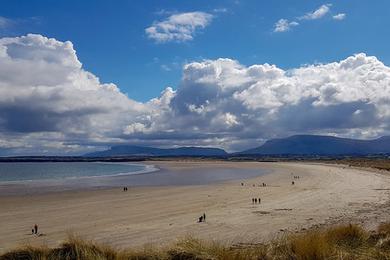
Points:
350	236
310	246
340	242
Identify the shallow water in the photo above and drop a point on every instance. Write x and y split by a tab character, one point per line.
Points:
30	171
33	178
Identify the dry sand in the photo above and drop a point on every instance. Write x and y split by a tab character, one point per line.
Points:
323	194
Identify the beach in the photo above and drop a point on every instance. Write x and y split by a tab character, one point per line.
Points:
158	215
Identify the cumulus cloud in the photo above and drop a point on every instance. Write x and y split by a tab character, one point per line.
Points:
223	102
50	104
178	27
318	13
284	25
340	16
43	88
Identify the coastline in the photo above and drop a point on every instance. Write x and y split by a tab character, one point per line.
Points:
156	173
323	195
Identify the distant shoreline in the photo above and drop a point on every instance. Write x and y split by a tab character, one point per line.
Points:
229	157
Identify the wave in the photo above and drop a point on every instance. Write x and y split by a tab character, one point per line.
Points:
146	169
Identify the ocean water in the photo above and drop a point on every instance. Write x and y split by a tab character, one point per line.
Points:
34	171
41	177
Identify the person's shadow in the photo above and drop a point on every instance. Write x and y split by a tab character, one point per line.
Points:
38	235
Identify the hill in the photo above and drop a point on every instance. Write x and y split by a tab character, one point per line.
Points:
321	145
129	150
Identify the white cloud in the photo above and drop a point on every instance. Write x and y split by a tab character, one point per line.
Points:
48	102
340	16
165	67
135	128
284	25
317	14
230	119
178	27
4	22
43	89
220	10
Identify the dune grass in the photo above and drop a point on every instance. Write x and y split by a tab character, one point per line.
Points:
339	242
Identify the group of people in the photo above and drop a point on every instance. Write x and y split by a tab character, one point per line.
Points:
34	230
254	185
295	177
202	218
256	200
125	189
262	185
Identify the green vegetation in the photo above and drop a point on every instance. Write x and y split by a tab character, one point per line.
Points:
377	163
340	242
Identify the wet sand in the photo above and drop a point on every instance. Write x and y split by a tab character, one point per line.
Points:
324	194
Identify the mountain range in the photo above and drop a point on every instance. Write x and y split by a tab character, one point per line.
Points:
293	145
129	150
321	145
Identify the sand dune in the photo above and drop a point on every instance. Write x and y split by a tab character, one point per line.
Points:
323	194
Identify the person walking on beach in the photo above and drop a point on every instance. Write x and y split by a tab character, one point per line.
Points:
204	217
255	200
35	229
259	200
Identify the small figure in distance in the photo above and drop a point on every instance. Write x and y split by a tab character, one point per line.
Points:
242	184
200	219
35	229
259	200
204	217
255	200
292	183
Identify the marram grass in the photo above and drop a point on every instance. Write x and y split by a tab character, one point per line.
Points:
340	242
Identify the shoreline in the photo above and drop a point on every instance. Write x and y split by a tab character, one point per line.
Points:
155	174
324	194
148	168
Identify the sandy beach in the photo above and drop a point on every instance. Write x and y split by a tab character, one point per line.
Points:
323	194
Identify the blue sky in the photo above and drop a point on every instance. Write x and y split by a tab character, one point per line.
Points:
111	42
80	76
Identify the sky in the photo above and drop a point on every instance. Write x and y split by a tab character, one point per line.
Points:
78	76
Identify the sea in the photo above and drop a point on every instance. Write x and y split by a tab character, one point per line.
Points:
40	177
33	171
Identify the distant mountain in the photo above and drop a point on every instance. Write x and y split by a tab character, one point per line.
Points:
321	145
293	145
128	150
